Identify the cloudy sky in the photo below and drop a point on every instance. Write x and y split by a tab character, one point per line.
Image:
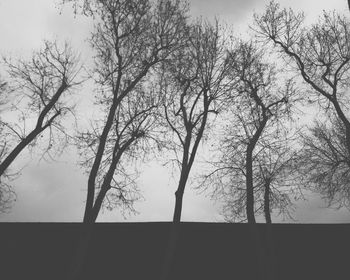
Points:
56	191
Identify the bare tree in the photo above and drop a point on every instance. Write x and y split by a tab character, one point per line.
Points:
263	103
129	140
130	39
36	92
321	55
274	170
193	83
325	163
258	105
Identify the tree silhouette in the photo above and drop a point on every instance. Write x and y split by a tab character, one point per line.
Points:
37	90
130	39
252	156
259	104
319	53
193	82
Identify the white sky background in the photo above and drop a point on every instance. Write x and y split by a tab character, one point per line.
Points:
53	192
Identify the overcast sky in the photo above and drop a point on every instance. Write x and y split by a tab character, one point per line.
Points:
56	191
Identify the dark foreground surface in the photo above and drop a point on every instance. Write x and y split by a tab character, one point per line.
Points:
203	251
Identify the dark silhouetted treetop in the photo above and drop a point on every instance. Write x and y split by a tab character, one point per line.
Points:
320	53
194	82
38	101
130	40
254	137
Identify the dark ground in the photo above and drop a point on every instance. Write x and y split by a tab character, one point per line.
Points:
204	251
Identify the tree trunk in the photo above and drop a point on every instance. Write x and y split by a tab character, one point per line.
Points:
18	149
97	161
185	170
267	210
249	186
97	205
249	171
36	131
178	206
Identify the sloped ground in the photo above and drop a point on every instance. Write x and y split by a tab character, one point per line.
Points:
203	251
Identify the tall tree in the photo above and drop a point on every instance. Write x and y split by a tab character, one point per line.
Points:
37	92
260	101
260	104
130	39
320	54
193	81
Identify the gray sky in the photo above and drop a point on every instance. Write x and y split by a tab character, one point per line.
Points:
56	191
